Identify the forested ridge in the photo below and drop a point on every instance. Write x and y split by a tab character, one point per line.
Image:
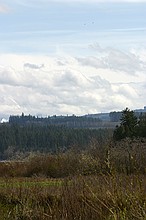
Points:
68	121
29	134
49	138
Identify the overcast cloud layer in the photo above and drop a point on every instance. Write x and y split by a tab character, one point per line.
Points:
72	58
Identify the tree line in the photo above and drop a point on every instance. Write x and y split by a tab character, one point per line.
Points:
29	137
49	138
68	121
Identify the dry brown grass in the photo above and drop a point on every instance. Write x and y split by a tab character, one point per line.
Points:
93	197
106	183
127	157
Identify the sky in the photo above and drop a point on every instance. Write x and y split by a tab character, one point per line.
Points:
64	57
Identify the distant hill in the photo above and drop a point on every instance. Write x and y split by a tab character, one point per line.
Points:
99	120
67	121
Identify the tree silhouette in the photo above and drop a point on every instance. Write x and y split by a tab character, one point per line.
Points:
127	127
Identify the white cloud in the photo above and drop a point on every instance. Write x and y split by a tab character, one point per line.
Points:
127	90
127	62
33	66
68	85
9	76
114	59
92	61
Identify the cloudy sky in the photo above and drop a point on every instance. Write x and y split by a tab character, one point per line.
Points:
72	56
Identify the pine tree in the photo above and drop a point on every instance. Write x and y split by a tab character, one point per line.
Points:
127	127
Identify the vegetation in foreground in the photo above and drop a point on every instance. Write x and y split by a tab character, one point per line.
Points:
94	197
101	183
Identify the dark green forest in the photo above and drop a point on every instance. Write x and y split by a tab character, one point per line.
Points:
23	135
34	137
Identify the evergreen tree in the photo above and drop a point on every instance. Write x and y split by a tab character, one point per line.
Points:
142	125
127	127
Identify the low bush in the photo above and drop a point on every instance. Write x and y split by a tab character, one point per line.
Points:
127	157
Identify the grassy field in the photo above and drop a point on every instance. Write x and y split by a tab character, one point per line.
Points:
100	184
90	197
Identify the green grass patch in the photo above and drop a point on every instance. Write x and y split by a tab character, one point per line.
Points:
29	182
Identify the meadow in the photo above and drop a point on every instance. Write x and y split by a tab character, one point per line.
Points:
98	183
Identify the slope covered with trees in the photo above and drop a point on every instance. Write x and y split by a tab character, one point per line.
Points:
49	138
